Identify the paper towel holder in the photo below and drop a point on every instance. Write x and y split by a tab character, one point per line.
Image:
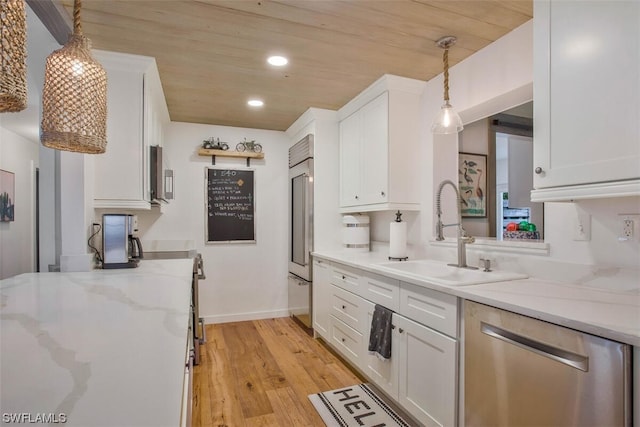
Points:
404	258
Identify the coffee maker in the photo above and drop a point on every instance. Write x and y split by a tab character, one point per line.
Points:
120	247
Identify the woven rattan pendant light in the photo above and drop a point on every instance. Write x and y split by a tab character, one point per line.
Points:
13	68
74	101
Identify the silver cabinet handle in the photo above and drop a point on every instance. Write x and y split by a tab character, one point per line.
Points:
559	355
538	170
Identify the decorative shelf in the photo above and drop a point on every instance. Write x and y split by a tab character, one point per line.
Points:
225	153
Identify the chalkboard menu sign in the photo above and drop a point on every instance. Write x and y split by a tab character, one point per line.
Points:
230	205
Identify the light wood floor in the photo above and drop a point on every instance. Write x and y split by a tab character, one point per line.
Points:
259	373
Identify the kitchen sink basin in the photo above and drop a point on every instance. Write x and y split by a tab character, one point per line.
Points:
441	273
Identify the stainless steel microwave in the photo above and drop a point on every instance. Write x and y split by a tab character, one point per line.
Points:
161	180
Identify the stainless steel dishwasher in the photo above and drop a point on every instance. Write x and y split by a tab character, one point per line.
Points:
520	371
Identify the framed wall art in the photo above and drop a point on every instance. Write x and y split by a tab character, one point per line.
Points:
472	183
7	196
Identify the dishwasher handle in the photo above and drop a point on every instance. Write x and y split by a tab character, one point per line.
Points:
570	359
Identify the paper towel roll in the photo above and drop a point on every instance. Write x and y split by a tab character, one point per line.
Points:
398	240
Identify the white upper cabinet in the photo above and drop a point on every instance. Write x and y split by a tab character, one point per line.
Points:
379	147
136	116
586	99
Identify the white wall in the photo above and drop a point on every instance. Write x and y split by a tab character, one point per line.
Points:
17	238
244	280
494	79
19	153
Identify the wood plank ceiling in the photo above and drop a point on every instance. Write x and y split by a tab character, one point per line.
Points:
212	54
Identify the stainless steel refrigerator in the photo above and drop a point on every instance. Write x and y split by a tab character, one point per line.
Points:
301	230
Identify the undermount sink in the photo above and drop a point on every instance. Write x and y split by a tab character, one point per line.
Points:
441	273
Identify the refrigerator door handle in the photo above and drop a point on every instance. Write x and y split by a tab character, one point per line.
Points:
203	339
200	267
570	359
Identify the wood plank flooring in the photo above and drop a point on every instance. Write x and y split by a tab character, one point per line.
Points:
259	373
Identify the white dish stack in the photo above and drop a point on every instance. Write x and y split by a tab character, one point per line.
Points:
355	233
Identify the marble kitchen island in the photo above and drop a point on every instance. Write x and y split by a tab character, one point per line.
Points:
98	348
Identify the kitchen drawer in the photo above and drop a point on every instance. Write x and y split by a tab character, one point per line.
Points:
434	309
347	341
346	278
381	290
349	308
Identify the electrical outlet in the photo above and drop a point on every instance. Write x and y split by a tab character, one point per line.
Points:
627	229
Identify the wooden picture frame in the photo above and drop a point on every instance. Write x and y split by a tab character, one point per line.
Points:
472	183
7	196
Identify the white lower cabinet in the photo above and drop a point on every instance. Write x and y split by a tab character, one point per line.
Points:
427	362
431	308
383	373
421	375
348	308
347	278
321	289
347	341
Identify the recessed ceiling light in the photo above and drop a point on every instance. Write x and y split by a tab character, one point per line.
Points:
255	103
278	61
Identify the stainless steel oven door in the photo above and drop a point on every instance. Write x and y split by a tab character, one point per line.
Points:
301	219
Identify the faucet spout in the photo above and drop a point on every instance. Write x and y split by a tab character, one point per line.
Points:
462	237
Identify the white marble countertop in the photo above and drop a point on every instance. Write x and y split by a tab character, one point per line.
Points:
606	305
104	348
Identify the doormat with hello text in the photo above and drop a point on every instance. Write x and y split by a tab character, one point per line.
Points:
355	406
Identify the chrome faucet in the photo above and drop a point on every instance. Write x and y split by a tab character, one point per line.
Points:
463	238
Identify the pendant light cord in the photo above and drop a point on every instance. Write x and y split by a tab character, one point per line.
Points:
445	60
77	27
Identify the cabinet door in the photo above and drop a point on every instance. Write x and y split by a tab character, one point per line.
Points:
434	309
321	297
381	290
119	173
427	363
374	150
350	160
347	341
384	373
586	97
347	278
349	308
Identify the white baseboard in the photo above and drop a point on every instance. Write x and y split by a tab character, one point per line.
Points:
241	317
